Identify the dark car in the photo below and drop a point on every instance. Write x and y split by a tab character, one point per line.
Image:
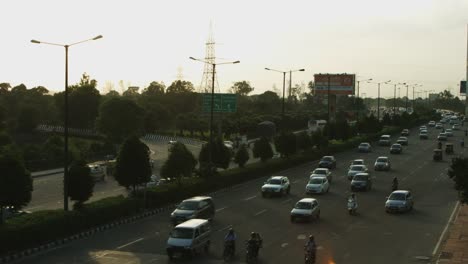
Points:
327	162
201	207
403	141
396	148
361	181
405	133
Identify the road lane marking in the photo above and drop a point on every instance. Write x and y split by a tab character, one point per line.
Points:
220	209
261	212
224	228
301	237
442	236
128	244
286	201
250	198
296	181
284	245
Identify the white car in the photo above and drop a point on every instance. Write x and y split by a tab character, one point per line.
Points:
322	172
306	208
278	185
422	128
317	184
384	140
355	169
382	163
449	132
456	127
357	162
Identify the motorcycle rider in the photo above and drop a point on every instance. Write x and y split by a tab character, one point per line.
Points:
230	240
253	244
395	183
353	200
311	247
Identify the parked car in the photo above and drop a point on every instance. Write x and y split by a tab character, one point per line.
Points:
276	185
201	207
327	162
364	147
399	201
361	181
307	209
355	169
382	163
322	172
403	141
317	184
396	149
384	140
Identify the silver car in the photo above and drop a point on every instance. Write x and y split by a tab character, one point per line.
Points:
382	163
365	147
355	169
306	208
399	201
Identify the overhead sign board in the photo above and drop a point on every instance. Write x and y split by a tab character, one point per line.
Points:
462	87
334	83
222	103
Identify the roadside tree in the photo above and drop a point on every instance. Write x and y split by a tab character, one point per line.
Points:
286	144
262	149
242	156
220	154
458	172
80	183
180	163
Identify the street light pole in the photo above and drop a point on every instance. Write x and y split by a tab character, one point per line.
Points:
65	169
357	103
284	84
406	103
378	99
210	154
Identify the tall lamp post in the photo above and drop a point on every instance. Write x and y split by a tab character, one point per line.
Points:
210	157
357	103
394	95
65	169
284	83
378	99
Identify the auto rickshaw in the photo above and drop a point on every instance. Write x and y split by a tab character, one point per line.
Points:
449	148
437	156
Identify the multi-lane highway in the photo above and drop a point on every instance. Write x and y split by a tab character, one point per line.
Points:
372	236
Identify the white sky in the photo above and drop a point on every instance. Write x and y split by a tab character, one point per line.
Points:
416	41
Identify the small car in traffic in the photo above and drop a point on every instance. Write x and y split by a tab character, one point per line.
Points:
384	140
355	169
361	181
324	172
405	133
442	136
449	132
189	238
317	184
276	185
431	123
456	127
364	147
439	126
305	209
201	207
403	141
327	162
396	149
423	134
357	162
399	201
382	163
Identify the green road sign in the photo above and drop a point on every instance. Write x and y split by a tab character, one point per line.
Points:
223	103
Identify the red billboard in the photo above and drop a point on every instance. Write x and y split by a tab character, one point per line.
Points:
334	83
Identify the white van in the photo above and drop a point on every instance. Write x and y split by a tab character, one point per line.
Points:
384	140
189	238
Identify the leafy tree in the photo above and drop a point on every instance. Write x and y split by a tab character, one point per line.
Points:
458	172
220	154
262	149
154	88
5	139
319	139
15	181
133	163
180	163
386	120
180	87
304	141
120	118
28	119
286	144
242	88
242	156
80	183
4	87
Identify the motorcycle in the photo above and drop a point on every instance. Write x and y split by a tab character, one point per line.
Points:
250	256
352	206
228	252
309	257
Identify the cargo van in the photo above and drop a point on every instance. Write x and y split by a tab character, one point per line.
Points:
189	238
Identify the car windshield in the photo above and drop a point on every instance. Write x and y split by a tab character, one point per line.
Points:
327	159
364	144
360	178
274	181
381	160
357	168
397	196
188	205
303	205
318	171
358	162
402	138
395	146
184	233
315	181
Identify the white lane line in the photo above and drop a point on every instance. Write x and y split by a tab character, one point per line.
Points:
250	198
261	212
286	201
220	209
128	244
284	245
442	236
224	228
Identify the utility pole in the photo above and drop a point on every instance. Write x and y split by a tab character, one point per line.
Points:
466	77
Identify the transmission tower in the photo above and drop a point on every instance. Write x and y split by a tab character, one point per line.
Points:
207	79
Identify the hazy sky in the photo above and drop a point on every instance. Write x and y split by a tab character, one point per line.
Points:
416	41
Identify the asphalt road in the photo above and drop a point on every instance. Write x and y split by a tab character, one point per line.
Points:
372	236
48	190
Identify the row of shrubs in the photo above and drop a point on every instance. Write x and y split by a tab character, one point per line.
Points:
45	226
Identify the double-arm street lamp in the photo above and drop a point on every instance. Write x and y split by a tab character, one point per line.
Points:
357	101
210	158
65	169
284	83
378	98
